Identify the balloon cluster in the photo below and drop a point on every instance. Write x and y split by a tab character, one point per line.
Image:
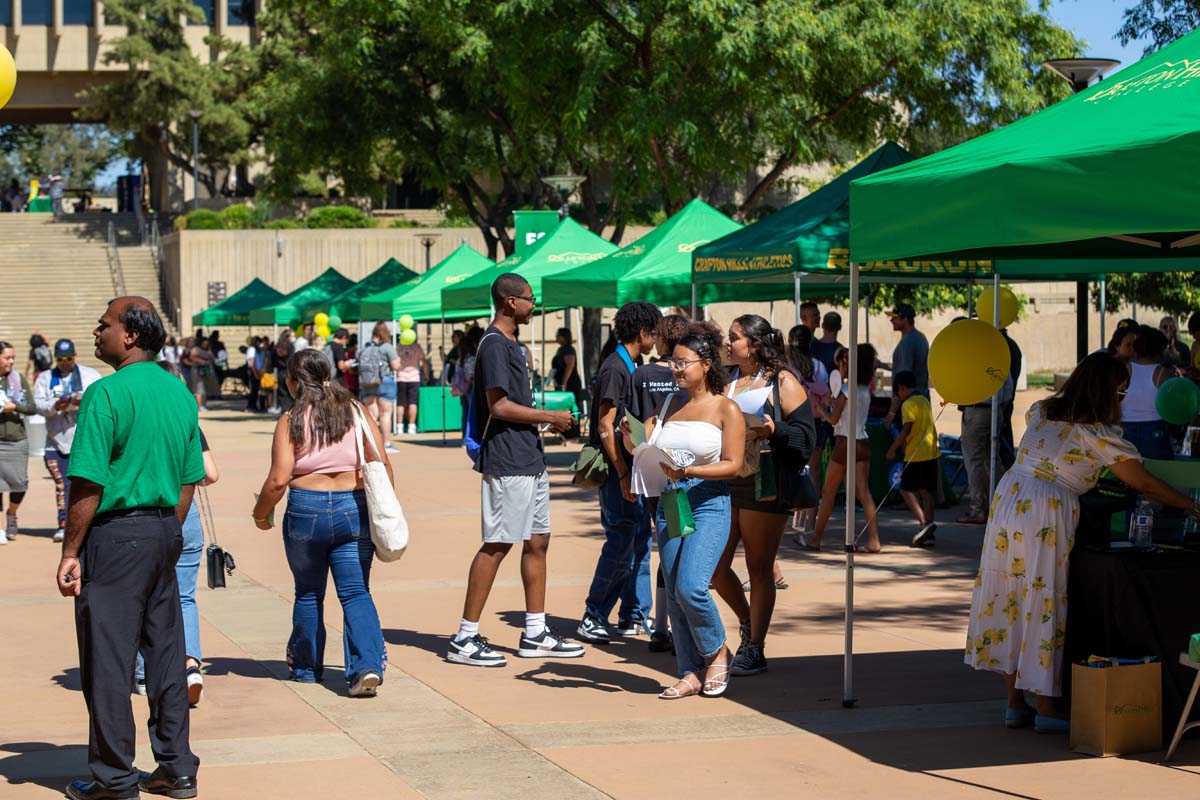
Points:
407	334
323	325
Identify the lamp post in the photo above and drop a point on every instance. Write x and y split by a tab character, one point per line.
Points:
428	239
566	185
195	114
1080	72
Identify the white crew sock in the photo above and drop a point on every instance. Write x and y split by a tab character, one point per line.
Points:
534	624
466	630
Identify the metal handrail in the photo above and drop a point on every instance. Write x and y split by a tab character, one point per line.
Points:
168	299
114	262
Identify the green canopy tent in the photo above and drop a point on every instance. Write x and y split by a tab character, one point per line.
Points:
235	309
391	275
1102	181
657	268
289	311
421	298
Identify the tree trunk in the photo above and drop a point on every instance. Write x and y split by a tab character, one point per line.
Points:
590	342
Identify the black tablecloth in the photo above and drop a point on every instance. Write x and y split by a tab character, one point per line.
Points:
1132	604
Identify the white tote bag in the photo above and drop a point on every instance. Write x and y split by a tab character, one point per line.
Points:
389	529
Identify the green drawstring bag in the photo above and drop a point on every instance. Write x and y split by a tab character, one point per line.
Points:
678	513
764	479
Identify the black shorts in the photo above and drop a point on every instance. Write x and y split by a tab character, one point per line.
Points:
920	475
408	393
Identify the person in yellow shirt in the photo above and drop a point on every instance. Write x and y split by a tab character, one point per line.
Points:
918	437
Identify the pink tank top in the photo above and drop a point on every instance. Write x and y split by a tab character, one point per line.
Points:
341	456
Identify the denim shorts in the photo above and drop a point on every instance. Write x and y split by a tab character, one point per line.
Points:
386	390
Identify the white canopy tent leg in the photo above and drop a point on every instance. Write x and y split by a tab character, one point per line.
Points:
995	405
796	294
395	344
693	298
848	698
1103	306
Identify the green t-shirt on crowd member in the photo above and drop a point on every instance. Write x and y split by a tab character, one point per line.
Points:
138	436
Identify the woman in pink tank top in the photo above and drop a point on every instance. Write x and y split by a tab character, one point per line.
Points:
314	457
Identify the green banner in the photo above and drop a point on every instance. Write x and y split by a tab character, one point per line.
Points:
531	226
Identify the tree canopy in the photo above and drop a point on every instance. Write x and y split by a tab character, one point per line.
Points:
78	152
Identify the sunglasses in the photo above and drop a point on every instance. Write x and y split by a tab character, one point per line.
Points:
528	298
64	358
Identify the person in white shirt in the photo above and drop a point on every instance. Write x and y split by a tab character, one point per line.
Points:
305	341
56	395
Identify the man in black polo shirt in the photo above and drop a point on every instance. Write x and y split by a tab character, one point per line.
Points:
623	570
135	460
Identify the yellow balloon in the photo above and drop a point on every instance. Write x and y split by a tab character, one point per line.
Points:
323	331
1009	306
968	362
8	76
321	319
408	336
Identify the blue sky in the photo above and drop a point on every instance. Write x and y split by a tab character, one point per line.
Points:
1096	22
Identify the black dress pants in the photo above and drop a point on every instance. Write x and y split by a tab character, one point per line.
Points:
130	598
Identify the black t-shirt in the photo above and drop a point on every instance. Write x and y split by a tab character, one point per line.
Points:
558	368
508	448
612	384
652	384
824	352
339	354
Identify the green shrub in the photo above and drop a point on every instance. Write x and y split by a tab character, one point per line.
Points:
404	223
201	219
283	224
338	217
238	218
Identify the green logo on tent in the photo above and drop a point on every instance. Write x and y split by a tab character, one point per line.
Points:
686	247
573	258
457	278
1167	75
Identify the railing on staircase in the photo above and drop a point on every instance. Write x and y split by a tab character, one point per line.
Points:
114	262
169	296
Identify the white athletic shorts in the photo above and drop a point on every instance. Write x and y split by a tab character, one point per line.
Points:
515	507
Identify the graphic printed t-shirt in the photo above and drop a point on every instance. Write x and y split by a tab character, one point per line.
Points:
138	436
411	356
508	448
912	354
921	444
612	384
652	384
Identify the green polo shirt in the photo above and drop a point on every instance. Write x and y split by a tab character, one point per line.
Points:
137	436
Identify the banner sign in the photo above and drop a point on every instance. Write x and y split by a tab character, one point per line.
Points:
531	226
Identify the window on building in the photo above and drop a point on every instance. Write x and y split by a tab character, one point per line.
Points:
207	7
78	12
36	12
241	12
5	12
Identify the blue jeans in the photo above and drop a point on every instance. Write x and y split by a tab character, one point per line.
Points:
326	532
623	571
187	571
1152	439
688	563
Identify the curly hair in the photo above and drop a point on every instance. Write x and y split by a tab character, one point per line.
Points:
672	327
766	343
324	408
633	318
704	339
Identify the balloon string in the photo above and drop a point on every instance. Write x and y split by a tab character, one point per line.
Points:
891	487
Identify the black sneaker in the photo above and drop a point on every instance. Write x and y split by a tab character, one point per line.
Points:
743	638
634	627
475	652
661	642
749	660
548	645
925	537
593	630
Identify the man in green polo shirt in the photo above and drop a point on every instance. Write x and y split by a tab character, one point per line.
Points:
135	461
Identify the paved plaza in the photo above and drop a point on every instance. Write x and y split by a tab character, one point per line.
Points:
925	726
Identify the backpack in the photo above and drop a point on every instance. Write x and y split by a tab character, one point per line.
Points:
370	365
41	358
472	435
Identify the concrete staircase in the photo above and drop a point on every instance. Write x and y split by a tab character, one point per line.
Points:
56	278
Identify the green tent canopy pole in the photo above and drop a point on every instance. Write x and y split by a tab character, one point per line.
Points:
848	698
442	382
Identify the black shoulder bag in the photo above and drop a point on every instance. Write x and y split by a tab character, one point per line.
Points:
793	487
218	561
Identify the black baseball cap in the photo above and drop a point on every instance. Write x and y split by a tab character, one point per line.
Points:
64	348
904	310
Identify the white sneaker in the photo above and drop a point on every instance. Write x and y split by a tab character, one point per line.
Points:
59	535
195	686
390	448
366	685
274	410
3	537
475	652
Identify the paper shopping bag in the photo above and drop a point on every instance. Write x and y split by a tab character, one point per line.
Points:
678	513
1116	710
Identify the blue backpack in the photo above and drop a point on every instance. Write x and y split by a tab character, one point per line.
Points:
472	435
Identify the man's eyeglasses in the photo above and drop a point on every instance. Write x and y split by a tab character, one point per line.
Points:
681	365
528	298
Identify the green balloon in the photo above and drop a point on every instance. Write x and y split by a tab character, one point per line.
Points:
406	322
334	323
1177	401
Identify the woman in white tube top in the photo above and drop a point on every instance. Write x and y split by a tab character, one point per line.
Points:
697	442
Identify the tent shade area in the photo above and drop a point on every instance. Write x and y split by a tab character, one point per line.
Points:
564	248
657	268
235	309
345	305
421	297
290	310
1110	173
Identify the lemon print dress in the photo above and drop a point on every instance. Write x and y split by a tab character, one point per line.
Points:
1019	605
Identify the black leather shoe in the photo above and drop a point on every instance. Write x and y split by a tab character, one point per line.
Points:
161	783
90	790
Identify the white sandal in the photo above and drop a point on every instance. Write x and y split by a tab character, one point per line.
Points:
674	693
720	683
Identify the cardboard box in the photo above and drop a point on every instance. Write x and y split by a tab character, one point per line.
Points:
1116	710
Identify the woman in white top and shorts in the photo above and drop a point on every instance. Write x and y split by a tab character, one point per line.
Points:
698	440
1141	424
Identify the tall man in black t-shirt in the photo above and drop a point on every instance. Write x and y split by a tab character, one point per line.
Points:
623	570
516	488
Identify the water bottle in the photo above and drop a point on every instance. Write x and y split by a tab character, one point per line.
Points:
1141	527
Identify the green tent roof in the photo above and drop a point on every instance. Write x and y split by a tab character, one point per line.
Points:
391	275
564	248
1109	173
235	309
421	298
657	268
290	310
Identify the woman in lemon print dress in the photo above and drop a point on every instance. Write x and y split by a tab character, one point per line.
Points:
1019	606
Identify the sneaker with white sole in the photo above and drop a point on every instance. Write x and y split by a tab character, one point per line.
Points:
593	630
139	686
10	526
3	536
475	652
926	536
635	627
548	645
390	448
59	535
367	684
195	686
